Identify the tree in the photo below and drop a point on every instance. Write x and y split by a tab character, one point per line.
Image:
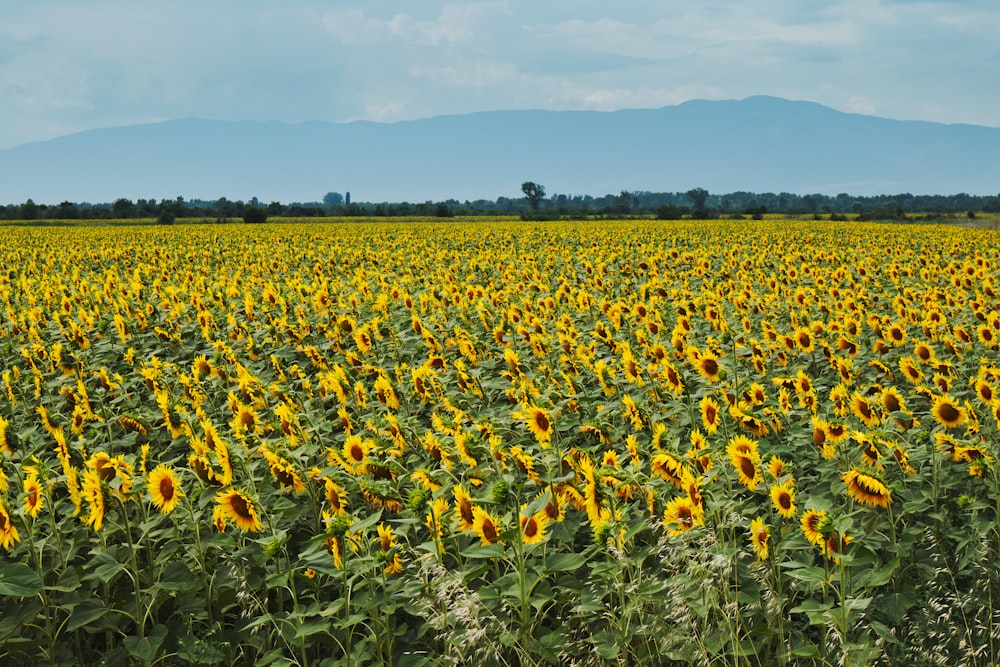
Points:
254	214
29	210
533	192
333	199
123	208
698	196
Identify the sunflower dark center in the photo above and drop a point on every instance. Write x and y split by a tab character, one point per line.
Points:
948	412
465	509
240	507
542	422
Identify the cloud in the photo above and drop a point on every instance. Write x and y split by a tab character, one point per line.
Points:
67	66
453	25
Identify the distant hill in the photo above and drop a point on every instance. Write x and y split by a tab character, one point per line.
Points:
760	144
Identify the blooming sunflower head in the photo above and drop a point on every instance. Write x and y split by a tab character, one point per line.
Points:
8	531
163	488
709	414
34	499
867	489
539	424
533	526
485	526
760	537
783	499
947	411
681	515
237	507
814	525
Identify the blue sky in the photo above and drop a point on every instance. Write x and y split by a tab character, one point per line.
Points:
71	66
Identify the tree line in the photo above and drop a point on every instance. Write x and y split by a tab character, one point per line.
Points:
696	203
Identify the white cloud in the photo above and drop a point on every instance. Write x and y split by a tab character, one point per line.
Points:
453	25
67	66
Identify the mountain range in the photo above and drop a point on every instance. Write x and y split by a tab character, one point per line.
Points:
758	144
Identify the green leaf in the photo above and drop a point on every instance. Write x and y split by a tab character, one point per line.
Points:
146	648
606	645
68	582
804	651
86	613
882	575
483	551
313	627
108	571
813	574
20	580
816	611
565	562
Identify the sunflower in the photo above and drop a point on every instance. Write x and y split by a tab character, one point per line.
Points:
760	537
362	340
870	453
464	508
533	526
756	394
896	333
354	454
985	391
681	515
777	467
837	431
245	419
746	468
867	489
840	396
4	442
708	366
804	339
672	378
336	496
525	463
667	467
814	525
235	506
33	496
93	494
8	532
709	414
743	445
388	550
835	544
820	431
864	410
485	526
891	400
164	488
783	498
924	352
385	394
986	335
911	370
381	494
947	411
539	424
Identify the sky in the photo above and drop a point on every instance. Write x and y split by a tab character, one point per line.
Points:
68	66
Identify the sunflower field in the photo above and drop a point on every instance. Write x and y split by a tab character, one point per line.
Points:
500	443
